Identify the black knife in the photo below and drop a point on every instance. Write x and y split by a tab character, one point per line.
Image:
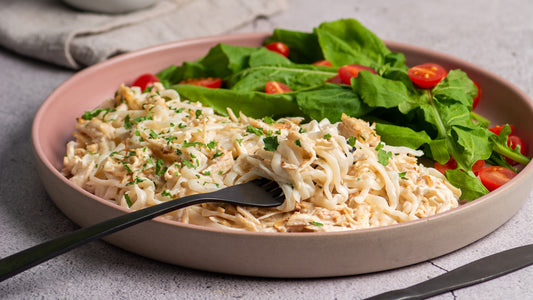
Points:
472	273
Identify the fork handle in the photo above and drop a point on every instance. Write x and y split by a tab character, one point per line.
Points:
35	255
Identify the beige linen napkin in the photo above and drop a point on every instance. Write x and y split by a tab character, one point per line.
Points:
54	32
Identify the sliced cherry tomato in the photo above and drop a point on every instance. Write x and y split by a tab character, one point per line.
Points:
514	141
323	62
208	82
493	177
145	80
335	79
476	99
427	75
276	87
348	71
452	165
278	47
478	165
498	128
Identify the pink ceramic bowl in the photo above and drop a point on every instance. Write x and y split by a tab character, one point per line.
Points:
273	254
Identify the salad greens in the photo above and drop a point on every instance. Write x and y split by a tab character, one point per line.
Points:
438	120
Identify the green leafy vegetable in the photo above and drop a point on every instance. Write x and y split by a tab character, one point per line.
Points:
439	120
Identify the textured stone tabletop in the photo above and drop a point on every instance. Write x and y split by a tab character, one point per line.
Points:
496	35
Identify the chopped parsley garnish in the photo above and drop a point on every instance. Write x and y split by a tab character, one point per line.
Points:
166	193
170	139
153	134
271	143
191	144
160	168
177	110
256	131
88	115
383	156
136	181
198	113
188	164
128	200
140	119
327	136
268	120
402	175
211	145
127	168
316	223
351	141
128	124
217	154
298	143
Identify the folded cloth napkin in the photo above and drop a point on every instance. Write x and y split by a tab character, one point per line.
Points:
54	32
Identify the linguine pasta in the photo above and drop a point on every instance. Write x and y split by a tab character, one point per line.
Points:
141	149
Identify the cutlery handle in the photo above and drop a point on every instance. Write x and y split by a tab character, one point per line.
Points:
475	272
35	255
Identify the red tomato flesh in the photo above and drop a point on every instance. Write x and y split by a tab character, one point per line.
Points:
278	47
145	80
208	82
493	177
452	165
324	62
276	87
348	71
335	79
515	141
427	75
498	128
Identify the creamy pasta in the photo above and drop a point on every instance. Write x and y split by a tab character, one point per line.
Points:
140	149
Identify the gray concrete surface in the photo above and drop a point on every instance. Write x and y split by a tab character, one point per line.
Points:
497	35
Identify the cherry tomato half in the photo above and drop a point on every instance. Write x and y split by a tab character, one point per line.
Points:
145	80
452	165
476	99
498	128
514	141
348	71
323	62
276	87
278	47
427	75
335	79
493	177
208	82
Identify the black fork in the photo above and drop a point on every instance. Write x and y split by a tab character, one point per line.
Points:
259	192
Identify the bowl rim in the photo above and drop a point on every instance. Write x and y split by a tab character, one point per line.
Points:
39	152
